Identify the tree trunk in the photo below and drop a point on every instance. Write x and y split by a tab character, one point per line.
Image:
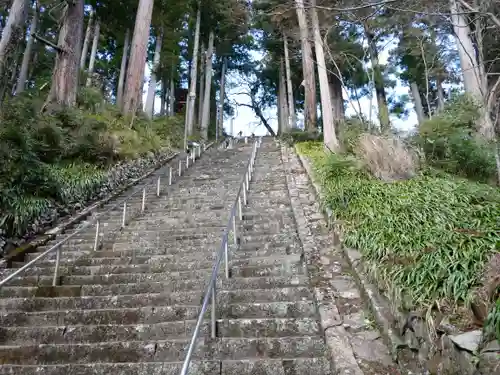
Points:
337	98
123	70
220	124
440	94
329	135
163	97
474	81
150	99
138	54
307	68
208	86
417	101
13	29
93	52
202	84
171	93
23	73
282	101
191	100
383	109
86	41
292	124
64	86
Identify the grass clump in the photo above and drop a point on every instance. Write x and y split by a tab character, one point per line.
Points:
428	238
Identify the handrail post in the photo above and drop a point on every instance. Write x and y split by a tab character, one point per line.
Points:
124	215
143	205
96	240
56	268
158	187
213	312
226	259
235	235
170	176
180	168
187	161
244	194
240	212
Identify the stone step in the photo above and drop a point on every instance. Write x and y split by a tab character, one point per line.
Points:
296	366
160	262
96	286
248	328
158	314
163	350
153	299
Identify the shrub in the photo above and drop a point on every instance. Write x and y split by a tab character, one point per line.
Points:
59	157
428	238
297	135
448	142
386	158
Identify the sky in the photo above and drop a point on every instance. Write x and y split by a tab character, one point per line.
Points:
246	121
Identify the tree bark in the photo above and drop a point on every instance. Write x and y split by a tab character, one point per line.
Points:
86	41
163	96
220	124
191	100
64	86
123	70
171	105
440	94
329	135
13	29
474	80
208	86
150	99
417	101
282	101
202	84
308	69
291	102
23	73
138	54
93	52
337	98
383	109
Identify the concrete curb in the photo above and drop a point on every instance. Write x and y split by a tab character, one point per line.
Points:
42	239
379	306
337	339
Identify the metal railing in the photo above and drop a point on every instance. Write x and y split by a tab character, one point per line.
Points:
97	218
211	292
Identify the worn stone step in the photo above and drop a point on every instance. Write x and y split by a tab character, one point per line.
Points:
296	366
151	299
268	327
97	286
157	314
163	350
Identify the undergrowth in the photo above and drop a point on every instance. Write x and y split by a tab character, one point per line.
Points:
60	157
427	238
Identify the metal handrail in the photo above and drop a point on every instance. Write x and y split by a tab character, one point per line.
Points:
211	291
96	219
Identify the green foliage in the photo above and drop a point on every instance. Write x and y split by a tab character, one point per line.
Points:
59	157
448	142
297	135
428	238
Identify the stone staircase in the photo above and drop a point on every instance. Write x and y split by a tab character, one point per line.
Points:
130	307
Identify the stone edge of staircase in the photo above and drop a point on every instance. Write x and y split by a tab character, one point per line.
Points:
336	337
43	238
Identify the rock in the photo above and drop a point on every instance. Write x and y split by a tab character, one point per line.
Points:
467	341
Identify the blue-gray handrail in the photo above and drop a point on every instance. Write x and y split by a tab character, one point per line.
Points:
211	292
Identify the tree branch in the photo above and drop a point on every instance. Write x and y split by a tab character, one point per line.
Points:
260	115
48	43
